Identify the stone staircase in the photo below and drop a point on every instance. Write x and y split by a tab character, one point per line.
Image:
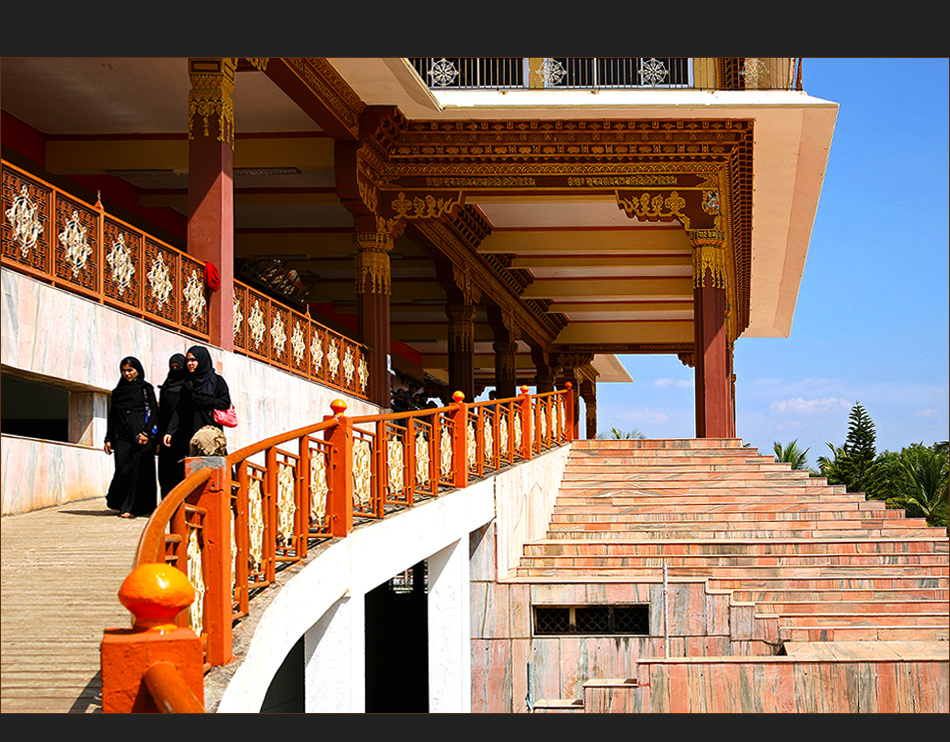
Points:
788	565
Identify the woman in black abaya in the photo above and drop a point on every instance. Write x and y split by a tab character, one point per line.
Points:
171	458
204	392
130	435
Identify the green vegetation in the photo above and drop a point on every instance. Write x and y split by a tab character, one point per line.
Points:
618	434
916	479
791	454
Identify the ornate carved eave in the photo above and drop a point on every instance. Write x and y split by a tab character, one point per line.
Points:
698	172
313	84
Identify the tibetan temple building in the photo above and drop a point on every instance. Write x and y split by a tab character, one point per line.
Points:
362	230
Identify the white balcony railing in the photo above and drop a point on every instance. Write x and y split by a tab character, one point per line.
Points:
586	73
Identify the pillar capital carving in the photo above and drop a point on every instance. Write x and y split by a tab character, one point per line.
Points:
709	255
209	100
373	275
461	327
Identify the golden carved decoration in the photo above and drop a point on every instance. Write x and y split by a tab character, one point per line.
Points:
422	459
503	434
362	472
363	373
120	260
255	523
318	486
349	367
212	82
298	343
708	255
256	325
285	503
373	274
651	208
195	297
397	468
258	63
489	439
238	316
196	578
316	351
78	249
159	278
26	225
471	446
418	207
278	333
445	451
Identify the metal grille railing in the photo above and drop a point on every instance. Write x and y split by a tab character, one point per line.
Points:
594	73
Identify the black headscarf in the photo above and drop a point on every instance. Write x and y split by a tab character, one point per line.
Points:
176	376
130	395
202	379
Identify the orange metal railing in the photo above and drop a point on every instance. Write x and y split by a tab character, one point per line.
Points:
230	527
55	237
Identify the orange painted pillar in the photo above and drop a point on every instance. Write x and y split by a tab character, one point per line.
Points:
460	439
527	424
569	416
714	409
211	185
340	498
154	648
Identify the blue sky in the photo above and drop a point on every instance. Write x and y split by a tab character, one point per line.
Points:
871	322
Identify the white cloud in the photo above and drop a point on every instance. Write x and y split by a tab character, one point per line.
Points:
925	413
799	406
672	382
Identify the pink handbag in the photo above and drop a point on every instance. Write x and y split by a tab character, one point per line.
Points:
227	418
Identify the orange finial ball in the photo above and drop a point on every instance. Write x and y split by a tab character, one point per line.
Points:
459	396
155	594
567	385
338	406
524	389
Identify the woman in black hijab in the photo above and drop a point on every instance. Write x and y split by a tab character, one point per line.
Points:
130	434
204	392
171	458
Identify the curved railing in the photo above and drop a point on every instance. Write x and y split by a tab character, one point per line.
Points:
319	481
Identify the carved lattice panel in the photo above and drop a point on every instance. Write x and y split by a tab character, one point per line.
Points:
162	282
77	254
299	344
278	335
122	265
26	222
193	309
240	316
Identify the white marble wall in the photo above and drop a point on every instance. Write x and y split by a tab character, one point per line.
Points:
59	335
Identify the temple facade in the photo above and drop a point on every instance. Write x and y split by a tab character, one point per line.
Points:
392	232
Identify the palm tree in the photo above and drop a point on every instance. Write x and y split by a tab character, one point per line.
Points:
791	454
923	484
618	434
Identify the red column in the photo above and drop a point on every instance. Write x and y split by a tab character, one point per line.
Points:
373	290
211	184
714	411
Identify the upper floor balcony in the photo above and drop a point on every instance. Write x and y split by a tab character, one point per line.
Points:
603	73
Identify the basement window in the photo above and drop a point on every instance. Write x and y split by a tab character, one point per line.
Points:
592	619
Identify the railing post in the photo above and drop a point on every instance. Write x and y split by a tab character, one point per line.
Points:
340	499
215	499
460	440
155	593
527	424
569	412
303	494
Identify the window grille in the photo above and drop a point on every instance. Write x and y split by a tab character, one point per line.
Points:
592	619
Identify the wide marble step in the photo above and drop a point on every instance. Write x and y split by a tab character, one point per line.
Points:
751	560
820	595
753	547
828	606
863	633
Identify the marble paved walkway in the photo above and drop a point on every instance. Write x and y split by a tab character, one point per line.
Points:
61	572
